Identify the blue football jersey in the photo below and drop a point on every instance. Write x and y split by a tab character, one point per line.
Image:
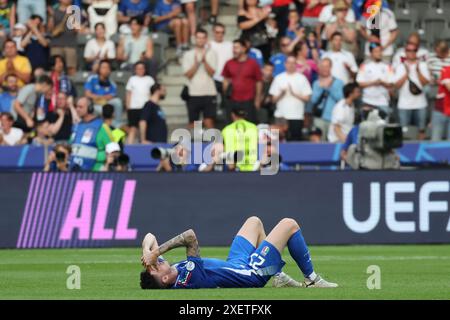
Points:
197	273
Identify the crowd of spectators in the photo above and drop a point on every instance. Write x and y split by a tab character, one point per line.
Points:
305	67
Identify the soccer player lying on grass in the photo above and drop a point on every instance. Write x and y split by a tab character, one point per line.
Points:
253	259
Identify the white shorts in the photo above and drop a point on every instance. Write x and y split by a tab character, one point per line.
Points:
187	1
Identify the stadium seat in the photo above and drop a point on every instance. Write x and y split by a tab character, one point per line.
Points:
407	21
121	79
445	35
82	40
79	80
420	5
160	44
434	22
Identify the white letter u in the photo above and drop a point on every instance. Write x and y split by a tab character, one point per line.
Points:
349	218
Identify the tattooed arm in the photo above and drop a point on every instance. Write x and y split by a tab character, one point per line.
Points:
187	239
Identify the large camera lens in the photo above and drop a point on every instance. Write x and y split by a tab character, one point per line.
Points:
60	156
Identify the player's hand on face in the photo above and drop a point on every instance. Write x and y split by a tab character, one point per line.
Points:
150	260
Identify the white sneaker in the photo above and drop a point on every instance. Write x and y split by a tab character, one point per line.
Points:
319	282
282	280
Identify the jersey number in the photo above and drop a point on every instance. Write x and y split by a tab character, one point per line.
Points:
256	261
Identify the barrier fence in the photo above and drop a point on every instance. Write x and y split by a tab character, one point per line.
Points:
54	210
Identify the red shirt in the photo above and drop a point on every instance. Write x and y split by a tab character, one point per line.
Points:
244	76
313	12
443	91
281	3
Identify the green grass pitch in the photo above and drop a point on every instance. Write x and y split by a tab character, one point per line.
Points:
407	272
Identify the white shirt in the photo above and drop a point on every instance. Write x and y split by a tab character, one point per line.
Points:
339	59
400	55
372	71
93	48
13	137
140	90
343	115
224	52
201	84
326	16
388	24
290	107
406	100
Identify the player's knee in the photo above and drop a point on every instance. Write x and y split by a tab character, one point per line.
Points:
290	224
255	220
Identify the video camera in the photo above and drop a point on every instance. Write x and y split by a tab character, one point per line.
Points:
377	141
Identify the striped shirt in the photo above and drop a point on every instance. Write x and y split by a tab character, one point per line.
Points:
436	64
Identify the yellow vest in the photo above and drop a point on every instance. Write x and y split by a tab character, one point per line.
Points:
242	135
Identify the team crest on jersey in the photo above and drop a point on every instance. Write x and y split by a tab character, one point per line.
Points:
190	266
265	251
183	280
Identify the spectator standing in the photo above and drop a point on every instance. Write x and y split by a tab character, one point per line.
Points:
105	12
9	94
138	93
327	91
135	47
441	115
167	19
99	48
327	16
130	9
385	33
344	63
27	100
400	54
14	64
312	11
376	78
281	10
26	8
199	67
7	17
347	29
102	90
438	60
36	43
410	79
254	53
243	78
223	50
265	113
290	91
9	136
89	139
152	124
279	59
343	116
304	65
64	39
294	24
252	22
18	33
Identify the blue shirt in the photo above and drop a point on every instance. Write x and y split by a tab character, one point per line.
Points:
278	60
163	8
132	9
6	102
195	273
335	94
256	55
94	85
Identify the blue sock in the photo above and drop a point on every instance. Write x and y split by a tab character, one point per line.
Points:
300	253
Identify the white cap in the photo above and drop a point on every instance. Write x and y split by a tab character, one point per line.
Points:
20	26
112	147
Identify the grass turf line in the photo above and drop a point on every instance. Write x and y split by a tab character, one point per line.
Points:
407	272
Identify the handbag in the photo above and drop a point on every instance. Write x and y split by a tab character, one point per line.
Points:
414	88
185	93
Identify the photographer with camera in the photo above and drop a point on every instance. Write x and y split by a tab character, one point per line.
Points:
116	160
58	159
176	159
